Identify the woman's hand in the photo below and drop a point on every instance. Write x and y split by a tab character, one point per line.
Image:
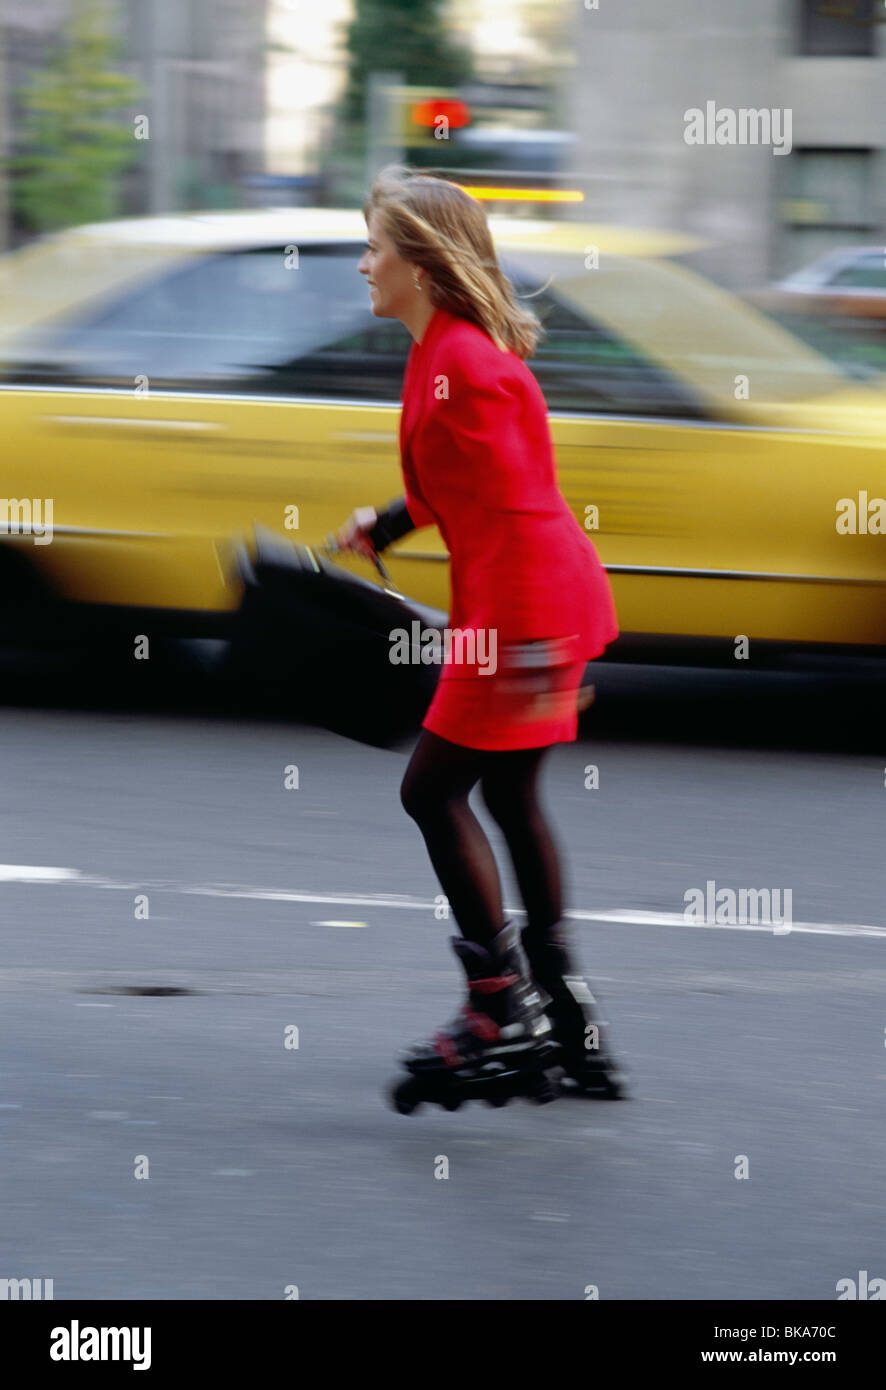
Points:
353	535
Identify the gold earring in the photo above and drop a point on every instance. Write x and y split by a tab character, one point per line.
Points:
416	282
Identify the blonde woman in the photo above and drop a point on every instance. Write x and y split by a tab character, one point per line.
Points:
526	586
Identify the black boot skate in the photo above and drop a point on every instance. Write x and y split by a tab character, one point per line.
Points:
498	1046
579	1032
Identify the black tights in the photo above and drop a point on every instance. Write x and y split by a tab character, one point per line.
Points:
435	791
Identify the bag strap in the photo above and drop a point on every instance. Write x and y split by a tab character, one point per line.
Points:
331	547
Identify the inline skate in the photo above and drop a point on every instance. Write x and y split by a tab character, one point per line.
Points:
579	1033
497	1047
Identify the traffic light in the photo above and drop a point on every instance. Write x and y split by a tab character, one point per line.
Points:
425	116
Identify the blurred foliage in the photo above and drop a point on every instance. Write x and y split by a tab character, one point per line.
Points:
75	146
405	36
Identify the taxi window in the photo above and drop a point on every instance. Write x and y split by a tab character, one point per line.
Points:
263	321
583	367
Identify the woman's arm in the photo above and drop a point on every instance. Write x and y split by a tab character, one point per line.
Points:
401	516
377	530
391	524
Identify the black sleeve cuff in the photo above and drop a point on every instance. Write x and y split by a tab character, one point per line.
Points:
392	523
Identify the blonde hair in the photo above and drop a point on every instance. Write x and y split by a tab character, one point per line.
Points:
436	225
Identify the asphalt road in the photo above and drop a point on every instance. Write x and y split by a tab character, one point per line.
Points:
270	1167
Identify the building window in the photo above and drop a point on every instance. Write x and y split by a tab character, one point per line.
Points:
837	28
828	200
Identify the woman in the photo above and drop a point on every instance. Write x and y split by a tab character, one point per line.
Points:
527	590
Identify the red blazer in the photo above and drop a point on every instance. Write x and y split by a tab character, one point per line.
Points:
478	461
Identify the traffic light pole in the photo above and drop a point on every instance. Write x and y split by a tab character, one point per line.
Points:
382	146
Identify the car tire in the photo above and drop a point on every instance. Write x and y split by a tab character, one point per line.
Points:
29	611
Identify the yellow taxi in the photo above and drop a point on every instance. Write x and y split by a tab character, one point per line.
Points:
166	383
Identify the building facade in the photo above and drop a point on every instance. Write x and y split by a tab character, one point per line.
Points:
813	71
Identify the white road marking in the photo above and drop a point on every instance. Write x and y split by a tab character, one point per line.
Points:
333	923
29	873
676	919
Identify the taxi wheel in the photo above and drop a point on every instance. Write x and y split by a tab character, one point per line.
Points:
258	645
28	608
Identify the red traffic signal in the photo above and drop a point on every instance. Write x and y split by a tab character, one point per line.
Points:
427	113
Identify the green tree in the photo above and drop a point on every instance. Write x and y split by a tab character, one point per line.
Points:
405	36
74	142
408	36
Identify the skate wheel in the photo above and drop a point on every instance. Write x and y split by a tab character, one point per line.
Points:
596	1088
405	1096
496	1102
451	1103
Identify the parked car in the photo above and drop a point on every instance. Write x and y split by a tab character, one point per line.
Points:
849	282
837	305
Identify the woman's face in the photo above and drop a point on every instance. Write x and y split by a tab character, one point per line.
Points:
389	277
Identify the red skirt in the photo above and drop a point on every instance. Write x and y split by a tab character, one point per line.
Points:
528	708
